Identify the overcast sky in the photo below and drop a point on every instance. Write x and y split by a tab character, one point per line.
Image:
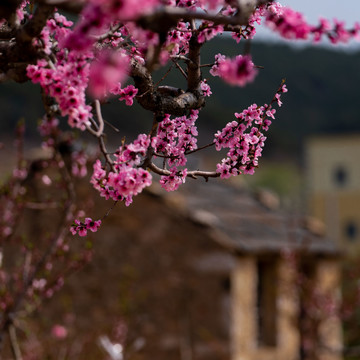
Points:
345	10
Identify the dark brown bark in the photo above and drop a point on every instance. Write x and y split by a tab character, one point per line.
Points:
158	101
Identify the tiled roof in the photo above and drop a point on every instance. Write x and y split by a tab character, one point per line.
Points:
242	223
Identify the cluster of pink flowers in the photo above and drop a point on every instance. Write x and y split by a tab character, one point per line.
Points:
247	31
127	94
209	31
99	15
126	178
172	181
92	23
244	138
291	24
205	87
175	137
82	228
78	163
95	58
74	71
8	211
48	128
66	81
41	287
178	40
288	23
238	71
125	10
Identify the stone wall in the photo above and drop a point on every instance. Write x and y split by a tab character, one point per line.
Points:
326	326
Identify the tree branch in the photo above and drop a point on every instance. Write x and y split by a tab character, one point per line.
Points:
71	6
193	174
35	25
167	17
100	127
158	101
15	348
194	72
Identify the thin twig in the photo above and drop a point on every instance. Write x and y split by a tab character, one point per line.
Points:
106	153
181	69
207	65
193	174
112	126
109	210
162	156
110	33
15	348
200	148
180	57
100	129
164	77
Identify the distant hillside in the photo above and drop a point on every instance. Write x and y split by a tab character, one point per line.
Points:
322	97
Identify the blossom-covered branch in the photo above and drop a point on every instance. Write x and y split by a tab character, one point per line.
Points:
114	42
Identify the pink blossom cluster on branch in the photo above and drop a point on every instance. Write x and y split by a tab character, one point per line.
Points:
82	66
66	83
125	178
175	138
291	24
238	71
82	228
244	138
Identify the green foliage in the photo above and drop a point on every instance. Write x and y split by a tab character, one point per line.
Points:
282	178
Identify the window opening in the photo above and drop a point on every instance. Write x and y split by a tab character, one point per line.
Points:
266	303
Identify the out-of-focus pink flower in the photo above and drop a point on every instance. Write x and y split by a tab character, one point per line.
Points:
106	71
59	332
46	180
238	71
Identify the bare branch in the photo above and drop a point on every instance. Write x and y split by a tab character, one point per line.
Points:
34	26
199	149
8	8
180	69
167	17
194	72
193	174
105	153
180	57
71	6
100	129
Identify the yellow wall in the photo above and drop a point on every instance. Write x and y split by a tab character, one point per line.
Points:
335	202
244	311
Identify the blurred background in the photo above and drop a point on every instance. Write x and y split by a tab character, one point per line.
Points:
310	168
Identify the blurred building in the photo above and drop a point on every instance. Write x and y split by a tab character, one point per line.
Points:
210	272
333	178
